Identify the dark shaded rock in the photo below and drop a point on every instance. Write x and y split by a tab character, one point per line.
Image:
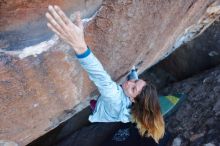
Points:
216	108
209	144
197	119
208	80
217	89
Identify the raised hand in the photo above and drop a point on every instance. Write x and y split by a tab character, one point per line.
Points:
71	33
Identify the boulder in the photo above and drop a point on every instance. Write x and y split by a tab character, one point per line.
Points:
41	81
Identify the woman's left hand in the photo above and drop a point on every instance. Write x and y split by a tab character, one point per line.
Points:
71	33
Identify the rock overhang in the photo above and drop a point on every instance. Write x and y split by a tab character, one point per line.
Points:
42	74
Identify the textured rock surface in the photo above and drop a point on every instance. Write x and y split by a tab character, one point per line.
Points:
200	54
196	122
23	23
41	85
195	56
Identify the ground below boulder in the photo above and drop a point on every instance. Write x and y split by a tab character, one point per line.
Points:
196	122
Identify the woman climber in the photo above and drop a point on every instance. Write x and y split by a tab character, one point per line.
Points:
135	100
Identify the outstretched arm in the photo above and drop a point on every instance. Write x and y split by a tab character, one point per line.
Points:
73	34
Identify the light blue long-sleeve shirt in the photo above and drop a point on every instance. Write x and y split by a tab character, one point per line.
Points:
112	105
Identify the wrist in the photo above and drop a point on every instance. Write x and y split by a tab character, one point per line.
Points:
84	54
80	49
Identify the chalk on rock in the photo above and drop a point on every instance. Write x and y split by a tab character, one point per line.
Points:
7	143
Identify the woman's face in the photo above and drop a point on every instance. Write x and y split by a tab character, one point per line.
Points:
133	87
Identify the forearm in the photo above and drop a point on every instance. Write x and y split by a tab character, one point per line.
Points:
97	74
93	67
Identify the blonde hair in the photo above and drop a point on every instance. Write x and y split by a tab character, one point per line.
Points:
146	113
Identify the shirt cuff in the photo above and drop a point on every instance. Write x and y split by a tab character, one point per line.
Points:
85	54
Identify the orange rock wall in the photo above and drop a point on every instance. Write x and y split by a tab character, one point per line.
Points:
39	90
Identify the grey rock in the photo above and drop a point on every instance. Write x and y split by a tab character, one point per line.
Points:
216	107
217	89
215	73
199	115
210	121
218	78
177	141
209	144
208	80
